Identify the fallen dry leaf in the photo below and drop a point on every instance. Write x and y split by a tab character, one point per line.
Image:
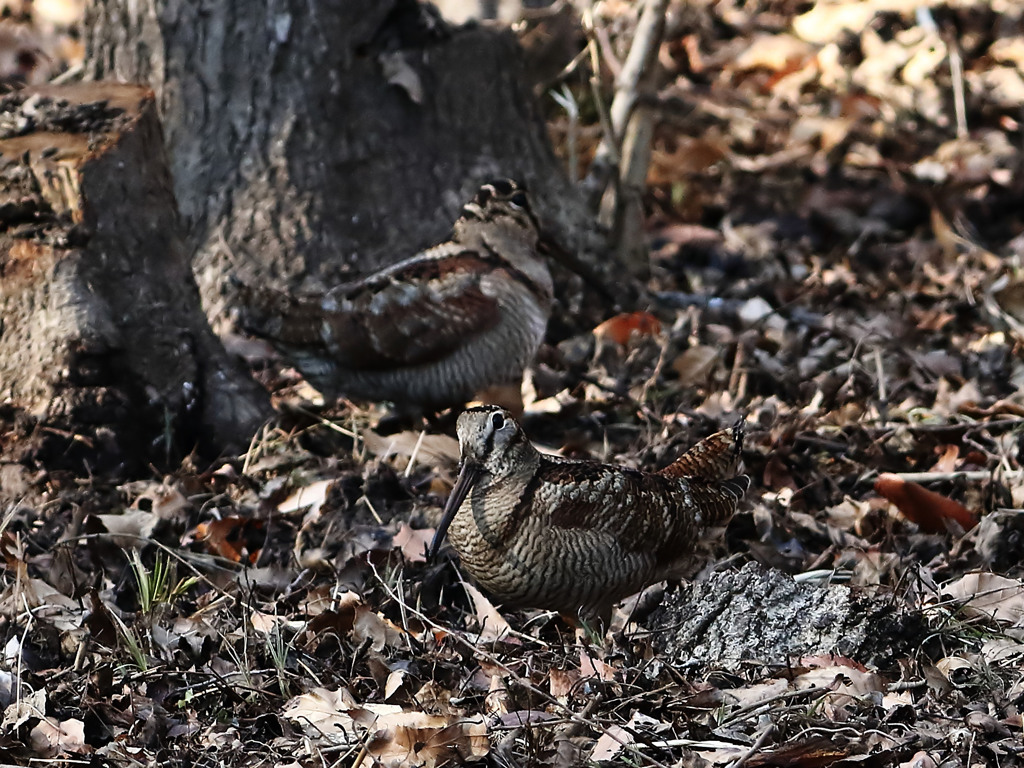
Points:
562	681
428	449
622	327
493	626
397	737
990	595
929	510
131	529
24	709
381	631
393	684
590	666
695	364
165	500
948	458
232	537
416	738
413	542
53	737
610	743
309	496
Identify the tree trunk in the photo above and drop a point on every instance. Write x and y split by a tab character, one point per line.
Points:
314	141
106	359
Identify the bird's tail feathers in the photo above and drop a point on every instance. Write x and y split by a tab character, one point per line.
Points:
714	458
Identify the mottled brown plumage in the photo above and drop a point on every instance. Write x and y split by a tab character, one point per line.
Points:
432	330
578	536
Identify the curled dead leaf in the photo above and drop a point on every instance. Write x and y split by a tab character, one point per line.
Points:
232	537
622	327
928	509
957	670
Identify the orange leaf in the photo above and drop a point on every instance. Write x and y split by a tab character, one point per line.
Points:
928	509
621	327
232	536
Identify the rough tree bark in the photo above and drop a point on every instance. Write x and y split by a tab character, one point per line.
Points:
312	141
755	615
106	359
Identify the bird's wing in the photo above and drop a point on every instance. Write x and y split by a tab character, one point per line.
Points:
603	499
641	510
413	313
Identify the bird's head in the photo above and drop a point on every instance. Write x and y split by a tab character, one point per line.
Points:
501	221
502	202
493	446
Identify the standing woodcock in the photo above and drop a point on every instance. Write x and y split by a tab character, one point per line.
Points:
578	536
430	331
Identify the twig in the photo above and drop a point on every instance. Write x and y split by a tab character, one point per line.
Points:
828	575
324	422
969	475
694	744
816	691
880	373
608	51
642	55
956	67
567	70
755	747
251	451
658	368
886	428
362	753
567	101
576	727
415	452
630	245
635	73
603	116
738	363
956	72
68	75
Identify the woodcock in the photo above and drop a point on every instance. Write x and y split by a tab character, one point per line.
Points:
578	536
430	331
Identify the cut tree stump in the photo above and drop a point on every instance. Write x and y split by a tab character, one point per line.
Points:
107	362
760	616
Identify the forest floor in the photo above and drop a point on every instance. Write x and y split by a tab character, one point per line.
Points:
836	223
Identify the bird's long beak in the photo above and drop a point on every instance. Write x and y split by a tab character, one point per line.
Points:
467	476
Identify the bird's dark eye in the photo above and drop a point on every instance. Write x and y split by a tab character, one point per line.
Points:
519	198
497	420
